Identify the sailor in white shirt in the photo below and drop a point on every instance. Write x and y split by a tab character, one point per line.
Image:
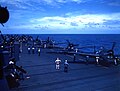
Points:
33	50
29	49
57	61
38	51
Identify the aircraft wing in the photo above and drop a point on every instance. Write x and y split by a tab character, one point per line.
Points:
85	54
72	53
58	52
89	54
58	47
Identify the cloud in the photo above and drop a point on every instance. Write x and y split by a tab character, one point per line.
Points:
24	4
46	15
112	22
79	19
63	1
71	22
114	3
21	4
62	23
14	3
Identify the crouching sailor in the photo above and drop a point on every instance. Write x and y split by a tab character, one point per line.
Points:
57	61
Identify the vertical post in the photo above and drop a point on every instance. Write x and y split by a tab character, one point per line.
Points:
16	51
5	58
4	61
20	46
1	66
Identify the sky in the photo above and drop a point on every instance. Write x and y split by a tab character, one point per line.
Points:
62	17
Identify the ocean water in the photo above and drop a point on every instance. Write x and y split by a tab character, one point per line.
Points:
84	40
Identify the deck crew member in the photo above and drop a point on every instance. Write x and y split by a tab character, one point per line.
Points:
39	51
87	58
74	57
97	60
76	50
29	49
33	50
116	61
57	61
66	66
44	45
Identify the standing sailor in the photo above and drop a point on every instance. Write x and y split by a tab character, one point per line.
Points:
57	61
87	58
76	50
116	61
74	57
29	50
97	60
66	66
33	50
44	45
39	51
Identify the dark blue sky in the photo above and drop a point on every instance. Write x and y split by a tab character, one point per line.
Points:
62	16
